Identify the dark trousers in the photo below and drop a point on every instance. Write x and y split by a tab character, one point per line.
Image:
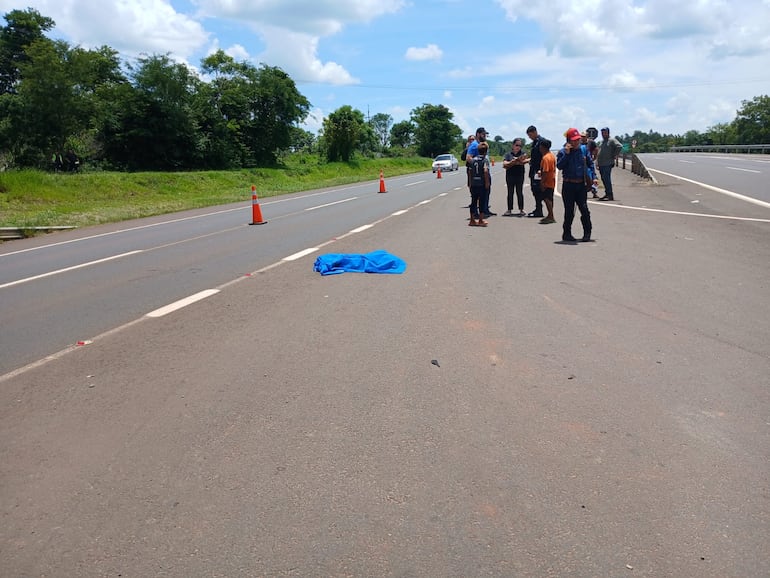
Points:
479	201
515	186
606	174
534	184
575	194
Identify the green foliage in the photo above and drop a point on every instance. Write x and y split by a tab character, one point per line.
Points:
435	133
33	198
752	125
342	131
23	27
402	134
381	124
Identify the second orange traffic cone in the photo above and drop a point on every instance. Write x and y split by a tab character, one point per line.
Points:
438	173
382	184
256	212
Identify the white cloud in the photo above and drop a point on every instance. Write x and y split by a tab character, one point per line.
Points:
292	29
237	52
296	53
312	17
625	80
430	52
132	28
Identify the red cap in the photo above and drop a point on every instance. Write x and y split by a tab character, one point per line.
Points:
572	134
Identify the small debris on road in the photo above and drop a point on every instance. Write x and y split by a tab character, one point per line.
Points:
435	362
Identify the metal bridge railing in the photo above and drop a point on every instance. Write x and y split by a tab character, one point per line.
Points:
757	148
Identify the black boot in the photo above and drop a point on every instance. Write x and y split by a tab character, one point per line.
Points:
586	222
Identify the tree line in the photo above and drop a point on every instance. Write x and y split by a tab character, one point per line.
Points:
751	126
157	114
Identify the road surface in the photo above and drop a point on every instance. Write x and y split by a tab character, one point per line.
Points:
596	409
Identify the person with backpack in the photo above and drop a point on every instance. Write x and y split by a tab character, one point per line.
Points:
478	168
577	167
481	137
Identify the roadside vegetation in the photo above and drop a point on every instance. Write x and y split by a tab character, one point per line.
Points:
33	198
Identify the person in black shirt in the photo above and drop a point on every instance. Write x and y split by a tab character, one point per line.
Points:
534	167
513	163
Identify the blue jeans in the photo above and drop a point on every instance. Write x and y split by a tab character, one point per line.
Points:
606	175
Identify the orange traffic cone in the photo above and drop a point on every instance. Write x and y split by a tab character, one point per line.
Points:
256	212
438	173
493	160
382	183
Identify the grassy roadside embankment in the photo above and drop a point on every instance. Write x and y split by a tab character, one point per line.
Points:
30	198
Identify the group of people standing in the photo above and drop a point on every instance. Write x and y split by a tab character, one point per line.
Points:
69	163
577	159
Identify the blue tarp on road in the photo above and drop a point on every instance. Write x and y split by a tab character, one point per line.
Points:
374	262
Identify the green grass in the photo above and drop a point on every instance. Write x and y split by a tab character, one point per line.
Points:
31	198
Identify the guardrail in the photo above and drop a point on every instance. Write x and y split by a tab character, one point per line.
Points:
758	148
9	233
637	166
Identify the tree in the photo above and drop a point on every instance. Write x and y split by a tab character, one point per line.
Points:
342	130
302	140
435	132
149	125
381	124
48	111
22	29
722	133
277	106
752	125
498	146
257	107
402	134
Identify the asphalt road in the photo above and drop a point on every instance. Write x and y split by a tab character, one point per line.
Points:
741	174
595	409
68	287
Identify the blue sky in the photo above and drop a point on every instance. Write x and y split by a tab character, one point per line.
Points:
505	64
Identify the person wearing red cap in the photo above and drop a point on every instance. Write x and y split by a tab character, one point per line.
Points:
575	165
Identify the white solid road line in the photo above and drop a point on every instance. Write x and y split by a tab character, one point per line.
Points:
65	270
300	254
330	204
716	189
745	170
170	308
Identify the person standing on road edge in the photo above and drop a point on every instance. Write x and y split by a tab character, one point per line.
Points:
575	166
480	183
534	166
609	149
547	179
513	163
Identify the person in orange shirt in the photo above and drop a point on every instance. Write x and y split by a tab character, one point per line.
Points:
547	179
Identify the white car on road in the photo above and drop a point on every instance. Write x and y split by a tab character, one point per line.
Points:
446	162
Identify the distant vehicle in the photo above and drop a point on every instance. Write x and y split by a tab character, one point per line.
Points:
445	163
